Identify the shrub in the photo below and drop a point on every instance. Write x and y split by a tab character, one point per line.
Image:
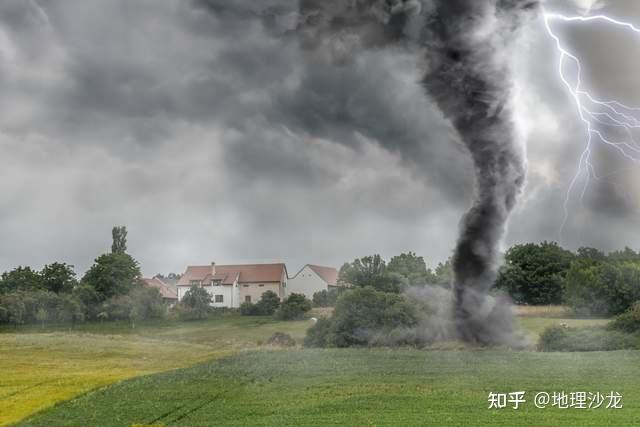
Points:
248	309
294	307
268	304
195	305
362	316
142	303
41	306
602	288
281	339
318	334
629	321
553	338
326	298
559	338
365	316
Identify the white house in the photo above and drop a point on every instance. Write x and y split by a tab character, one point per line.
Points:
231	285
311	279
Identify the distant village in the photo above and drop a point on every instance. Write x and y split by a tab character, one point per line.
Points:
231	285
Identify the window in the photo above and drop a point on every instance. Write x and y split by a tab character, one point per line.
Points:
261	285
195	282
246	286
247	298
216	282
219	298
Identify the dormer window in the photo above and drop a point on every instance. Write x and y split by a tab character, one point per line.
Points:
195	283
216	282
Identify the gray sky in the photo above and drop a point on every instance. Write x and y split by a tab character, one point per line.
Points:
212	135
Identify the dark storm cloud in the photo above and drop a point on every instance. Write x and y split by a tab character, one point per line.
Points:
213	134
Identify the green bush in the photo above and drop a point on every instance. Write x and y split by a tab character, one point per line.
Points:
629	321
195	305
248	309
365	316
602	288
318	334
39	306
142	303
560	338
326	298
268	304
281	339
294	307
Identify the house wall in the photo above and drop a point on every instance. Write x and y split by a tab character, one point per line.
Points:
230	295
255	291
306	282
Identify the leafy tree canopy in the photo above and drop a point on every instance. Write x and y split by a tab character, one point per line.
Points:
119	245
20	278
58	277
112	274
413	268
533	273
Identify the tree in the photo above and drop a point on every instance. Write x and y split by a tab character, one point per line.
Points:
142	303
112	274
364	316
119	245
533	273
20	278
444	273
58	277
268	304
371	271
195	305
294	307
327	298
602	288
12	309
627	254
413	268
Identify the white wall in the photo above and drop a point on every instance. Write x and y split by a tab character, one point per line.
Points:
230	294
306	282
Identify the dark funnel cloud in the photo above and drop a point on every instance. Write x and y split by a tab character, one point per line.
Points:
470	81
465	44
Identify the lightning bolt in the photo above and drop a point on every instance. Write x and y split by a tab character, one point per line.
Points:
599	116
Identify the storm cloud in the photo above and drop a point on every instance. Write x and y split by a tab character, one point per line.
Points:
214	134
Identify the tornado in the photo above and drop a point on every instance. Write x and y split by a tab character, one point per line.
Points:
466	44
470	80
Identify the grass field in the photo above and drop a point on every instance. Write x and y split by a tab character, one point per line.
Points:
41	367
361	387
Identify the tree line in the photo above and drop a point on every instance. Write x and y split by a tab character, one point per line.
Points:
110	289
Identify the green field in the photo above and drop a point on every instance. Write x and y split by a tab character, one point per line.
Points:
361	387
245	382
40	367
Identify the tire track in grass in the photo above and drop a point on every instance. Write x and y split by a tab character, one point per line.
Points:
196	408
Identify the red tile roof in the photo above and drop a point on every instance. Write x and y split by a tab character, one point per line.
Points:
227	274
328	274
165	290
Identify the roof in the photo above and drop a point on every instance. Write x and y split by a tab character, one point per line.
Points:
328	274
227	274
165	290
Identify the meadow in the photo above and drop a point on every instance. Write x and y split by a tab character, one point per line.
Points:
361	387
42	366
238	380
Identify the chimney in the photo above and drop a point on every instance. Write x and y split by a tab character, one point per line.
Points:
213	268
